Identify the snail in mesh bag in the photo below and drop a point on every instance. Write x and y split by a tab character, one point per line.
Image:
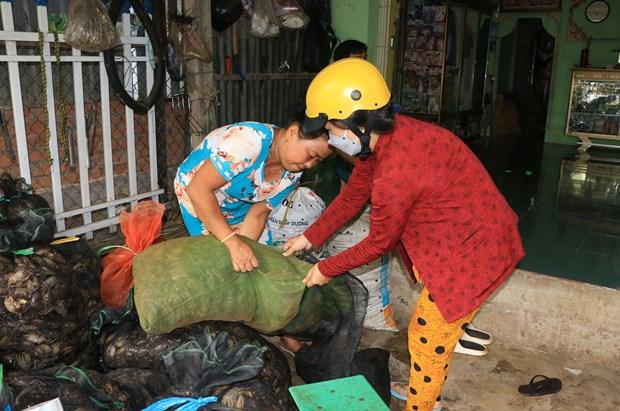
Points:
128	346
87	389
44	315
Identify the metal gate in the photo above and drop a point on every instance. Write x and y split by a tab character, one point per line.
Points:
66	134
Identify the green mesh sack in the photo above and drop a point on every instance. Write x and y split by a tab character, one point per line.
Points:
186	280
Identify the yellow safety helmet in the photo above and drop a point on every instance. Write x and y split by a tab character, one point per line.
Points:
342	88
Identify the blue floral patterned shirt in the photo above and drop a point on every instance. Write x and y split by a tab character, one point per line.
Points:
239	152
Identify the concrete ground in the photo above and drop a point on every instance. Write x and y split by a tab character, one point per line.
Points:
490	383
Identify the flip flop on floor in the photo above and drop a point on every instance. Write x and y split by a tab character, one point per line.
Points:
544	386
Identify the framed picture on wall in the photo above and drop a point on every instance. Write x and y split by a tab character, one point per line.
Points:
530	5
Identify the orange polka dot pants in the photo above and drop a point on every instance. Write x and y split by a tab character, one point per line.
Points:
431	344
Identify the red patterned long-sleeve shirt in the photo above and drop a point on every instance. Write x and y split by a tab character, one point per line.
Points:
428	191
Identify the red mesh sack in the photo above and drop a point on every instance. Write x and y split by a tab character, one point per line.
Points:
141	228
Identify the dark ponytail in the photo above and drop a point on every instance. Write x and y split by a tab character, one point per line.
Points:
383	118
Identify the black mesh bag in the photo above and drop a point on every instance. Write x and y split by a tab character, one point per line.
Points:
335	336
197	371
48	296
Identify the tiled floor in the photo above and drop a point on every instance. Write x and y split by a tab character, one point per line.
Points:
569	214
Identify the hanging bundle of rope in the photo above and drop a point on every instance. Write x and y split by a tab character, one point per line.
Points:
59	97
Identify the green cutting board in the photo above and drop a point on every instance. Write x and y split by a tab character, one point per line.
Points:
350	394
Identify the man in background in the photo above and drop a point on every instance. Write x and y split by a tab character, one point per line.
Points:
350	48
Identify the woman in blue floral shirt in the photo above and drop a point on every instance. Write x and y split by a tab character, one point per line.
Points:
231	181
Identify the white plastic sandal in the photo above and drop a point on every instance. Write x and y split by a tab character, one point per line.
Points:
471	348
473	334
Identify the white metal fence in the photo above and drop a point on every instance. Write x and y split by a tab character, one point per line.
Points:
116	160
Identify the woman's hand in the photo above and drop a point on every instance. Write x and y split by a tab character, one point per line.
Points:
241	255
314	277
296	244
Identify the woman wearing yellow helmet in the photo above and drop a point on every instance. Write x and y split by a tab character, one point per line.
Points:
429	194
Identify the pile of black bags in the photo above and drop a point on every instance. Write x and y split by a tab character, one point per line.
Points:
226	360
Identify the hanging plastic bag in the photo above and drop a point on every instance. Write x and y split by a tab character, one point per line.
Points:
264	23
224	13
290	14
141	228
248	7
186	41
89	27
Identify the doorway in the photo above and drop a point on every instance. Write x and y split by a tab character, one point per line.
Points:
524	81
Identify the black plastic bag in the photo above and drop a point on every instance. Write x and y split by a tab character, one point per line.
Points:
224	13
27	228
372	363
26	219
11	187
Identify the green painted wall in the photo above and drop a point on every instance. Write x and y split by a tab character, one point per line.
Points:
357	20
567	55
